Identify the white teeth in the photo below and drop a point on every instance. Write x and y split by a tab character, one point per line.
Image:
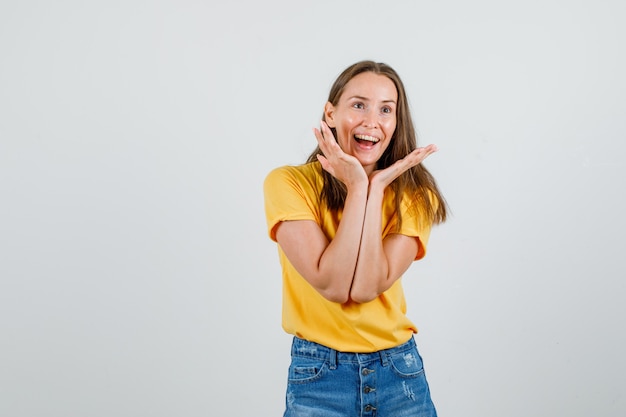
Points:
367	138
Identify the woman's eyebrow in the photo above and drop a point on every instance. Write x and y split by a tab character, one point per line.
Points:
367	99
358	98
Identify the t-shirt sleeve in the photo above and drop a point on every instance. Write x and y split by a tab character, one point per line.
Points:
416	225
285	199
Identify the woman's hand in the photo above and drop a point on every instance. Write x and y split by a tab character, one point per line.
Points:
346	168
386	176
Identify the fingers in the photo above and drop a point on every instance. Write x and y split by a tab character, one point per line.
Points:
329	147
389	174
326	141
327	134
418	155
324	132
325	164
345	167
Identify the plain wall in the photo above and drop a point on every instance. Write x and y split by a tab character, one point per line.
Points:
136	275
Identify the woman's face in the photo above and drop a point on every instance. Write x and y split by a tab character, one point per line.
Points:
365	117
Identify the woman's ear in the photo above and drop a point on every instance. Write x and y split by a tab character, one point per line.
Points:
329	114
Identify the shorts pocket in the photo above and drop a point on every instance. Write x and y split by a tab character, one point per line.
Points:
407	364
303	370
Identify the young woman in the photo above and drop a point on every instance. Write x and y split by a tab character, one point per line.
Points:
348	224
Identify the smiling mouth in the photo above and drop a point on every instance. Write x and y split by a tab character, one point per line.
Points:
366	139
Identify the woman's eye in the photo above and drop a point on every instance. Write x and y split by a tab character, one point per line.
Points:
358	105
386	110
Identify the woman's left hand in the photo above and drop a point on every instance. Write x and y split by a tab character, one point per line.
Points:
386	176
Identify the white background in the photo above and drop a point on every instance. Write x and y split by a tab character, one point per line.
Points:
136	276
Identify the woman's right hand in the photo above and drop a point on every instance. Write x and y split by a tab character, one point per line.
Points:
346	168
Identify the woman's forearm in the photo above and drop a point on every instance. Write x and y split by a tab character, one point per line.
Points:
372	267
338	262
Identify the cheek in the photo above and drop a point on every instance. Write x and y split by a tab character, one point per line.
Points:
345	127
387	144
390	128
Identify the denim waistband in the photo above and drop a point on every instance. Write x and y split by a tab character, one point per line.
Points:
305	348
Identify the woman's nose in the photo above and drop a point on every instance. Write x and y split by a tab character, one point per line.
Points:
370	118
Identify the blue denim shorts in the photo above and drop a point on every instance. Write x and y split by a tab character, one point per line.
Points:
326	383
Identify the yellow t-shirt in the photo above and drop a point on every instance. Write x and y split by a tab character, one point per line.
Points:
293	193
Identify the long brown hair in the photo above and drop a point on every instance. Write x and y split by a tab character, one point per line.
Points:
416	181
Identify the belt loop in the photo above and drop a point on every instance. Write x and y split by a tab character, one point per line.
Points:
332	353
383	357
